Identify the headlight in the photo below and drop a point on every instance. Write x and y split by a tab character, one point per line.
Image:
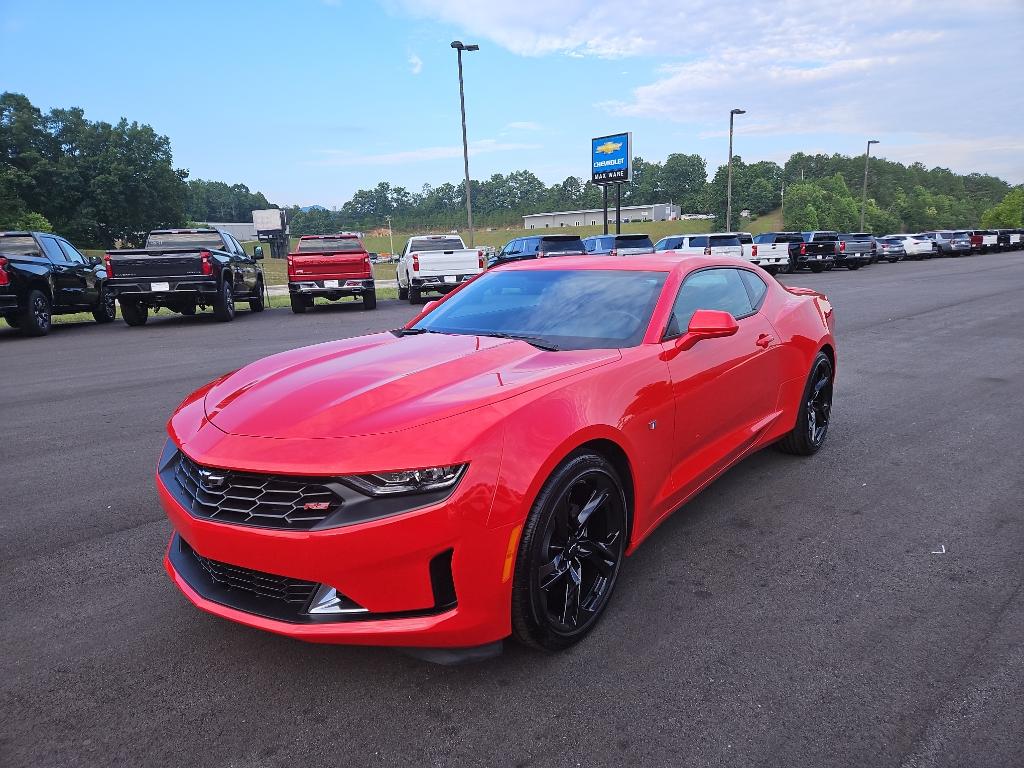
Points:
408	481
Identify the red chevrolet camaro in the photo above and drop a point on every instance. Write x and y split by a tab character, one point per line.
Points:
483	471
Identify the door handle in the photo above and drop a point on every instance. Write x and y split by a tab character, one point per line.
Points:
764	340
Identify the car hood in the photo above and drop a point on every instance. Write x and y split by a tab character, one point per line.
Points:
383	383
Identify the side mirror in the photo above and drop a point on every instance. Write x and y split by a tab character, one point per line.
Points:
95	261
430	305
707	324
257	253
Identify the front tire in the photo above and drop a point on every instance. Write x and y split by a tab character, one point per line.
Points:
36	318
815	411
570	554
224	302
106	310
134	313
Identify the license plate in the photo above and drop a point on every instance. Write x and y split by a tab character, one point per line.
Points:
818	257
449	278
330	283
159	286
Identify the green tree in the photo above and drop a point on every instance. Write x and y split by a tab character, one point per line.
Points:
1007	214
683	179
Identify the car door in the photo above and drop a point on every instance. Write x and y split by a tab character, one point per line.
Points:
85	275
67	287
726	389
241	266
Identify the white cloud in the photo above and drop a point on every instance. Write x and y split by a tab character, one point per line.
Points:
415	64
523	125
344	157
947	76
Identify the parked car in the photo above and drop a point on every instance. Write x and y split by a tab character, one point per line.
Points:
783	245
1011	239
331	267
950	243
618	245
819	250
717	244
892	249
42	275
436	263
915	246
769	258
983	240
184	270
537	247
481	472
853	251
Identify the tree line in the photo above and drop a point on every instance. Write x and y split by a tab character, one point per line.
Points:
102	184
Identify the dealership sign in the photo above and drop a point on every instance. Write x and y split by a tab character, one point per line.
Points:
611	158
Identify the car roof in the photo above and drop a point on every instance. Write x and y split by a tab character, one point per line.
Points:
338	236
666	261
186	231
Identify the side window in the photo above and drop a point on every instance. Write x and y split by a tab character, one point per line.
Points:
515	247
238	246
721	289
53	251
756	288
699	242
70	253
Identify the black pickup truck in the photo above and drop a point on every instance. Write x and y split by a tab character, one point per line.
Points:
819	250
182	270
42	275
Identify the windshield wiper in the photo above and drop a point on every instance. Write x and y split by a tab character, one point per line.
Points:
410	331
533	340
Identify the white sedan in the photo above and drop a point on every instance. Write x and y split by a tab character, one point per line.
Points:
917	246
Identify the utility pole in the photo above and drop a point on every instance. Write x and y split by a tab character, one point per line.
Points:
728	188
391	236
864	195
783	204
459	48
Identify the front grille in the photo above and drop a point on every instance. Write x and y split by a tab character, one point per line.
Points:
293	592
269	501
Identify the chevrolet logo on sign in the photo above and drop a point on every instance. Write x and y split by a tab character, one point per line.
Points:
608	147
611	159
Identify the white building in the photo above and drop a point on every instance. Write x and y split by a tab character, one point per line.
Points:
241	231
593	216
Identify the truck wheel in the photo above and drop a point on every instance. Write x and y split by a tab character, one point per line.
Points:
106	310
34	320
224	303
403	293
370	300
257	304
853	266
298	304
414	295
134	313
816	268
773	271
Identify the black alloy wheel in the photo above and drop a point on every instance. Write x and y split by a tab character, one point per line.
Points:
106	310
808	435
570	554
224	302
36	317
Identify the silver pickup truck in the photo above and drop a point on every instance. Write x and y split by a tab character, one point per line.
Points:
854	250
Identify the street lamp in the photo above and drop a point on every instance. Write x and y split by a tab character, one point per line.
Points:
864	195
459	46
728	188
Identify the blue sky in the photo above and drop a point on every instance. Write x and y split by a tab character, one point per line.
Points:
309	100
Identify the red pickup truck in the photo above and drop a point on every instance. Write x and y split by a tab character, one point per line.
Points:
332	266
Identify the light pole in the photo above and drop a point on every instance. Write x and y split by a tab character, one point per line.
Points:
391	236
459	47
728	188
864	195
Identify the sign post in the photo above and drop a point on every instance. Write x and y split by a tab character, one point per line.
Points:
611	162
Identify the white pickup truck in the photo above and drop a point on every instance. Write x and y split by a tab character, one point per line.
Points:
770	255
437	263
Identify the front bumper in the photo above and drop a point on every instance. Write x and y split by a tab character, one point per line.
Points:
328	287
427	578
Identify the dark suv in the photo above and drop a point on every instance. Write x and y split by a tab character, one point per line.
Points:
618	245
42	275
537	247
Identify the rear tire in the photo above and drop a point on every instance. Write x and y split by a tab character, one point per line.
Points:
773	271
414	295
815	412
224	302
106	310
403	293
370	300
134	313
258	304
570	554
853	266
36	318
817	268
298	304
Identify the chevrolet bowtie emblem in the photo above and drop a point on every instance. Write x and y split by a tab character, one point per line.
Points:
211	479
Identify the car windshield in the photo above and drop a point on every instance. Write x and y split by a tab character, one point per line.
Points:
20	244
436	244
570	245
330	244
568	309
722	241
184	240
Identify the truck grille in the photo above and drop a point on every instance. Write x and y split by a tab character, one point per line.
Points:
268	501
269	586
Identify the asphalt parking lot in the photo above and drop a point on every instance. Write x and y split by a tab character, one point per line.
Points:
859	608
